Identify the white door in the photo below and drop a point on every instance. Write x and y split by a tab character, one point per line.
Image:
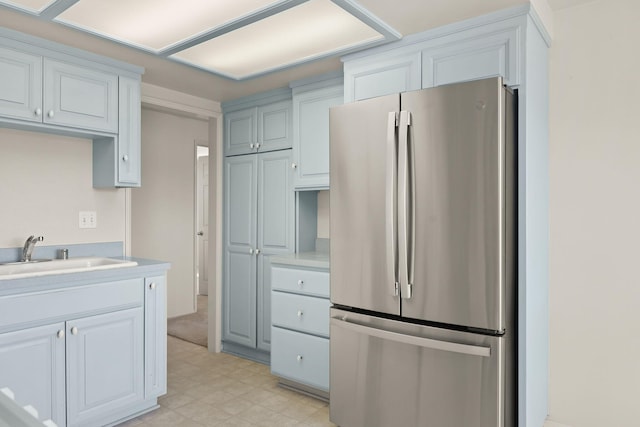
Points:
203	224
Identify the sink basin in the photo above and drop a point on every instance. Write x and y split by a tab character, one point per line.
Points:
18	270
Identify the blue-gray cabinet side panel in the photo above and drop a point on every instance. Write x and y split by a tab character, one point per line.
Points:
155	337
274	126
240	236
104	365
20	85
32	366
276	229
129	116
80	97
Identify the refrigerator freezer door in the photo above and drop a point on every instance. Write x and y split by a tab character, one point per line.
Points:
390	373
363	230
457	141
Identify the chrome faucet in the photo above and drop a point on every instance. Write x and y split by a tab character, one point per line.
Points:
27	250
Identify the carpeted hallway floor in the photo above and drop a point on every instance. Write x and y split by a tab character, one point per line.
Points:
192	327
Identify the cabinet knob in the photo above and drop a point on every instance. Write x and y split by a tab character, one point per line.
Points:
152	285
125	158
50	114
257	251
300	282
74	331
251	251
257	145
251	145
60	334
294	166
38	112
300	313
299	358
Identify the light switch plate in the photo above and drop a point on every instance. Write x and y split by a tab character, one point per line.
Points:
87	219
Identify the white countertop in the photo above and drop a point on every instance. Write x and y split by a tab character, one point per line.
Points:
303	259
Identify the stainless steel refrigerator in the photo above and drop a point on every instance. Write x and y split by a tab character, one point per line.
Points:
423	263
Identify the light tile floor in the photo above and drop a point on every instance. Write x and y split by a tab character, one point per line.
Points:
207	389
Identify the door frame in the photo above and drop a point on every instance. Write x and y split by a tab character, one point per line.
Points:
196	225
168	100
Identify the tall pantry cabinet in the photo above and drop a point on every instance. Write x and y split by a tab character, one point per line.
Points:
259	209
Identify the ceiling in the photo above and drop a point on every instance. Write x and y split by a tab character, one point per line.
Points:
172	59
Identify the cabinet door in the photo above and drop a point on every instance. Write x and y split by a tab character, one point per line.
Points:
382	76
80	97
104	365
311	136
128	132
20	85
240	131
155	337
239	275
32	366
276	226
476	57
274	126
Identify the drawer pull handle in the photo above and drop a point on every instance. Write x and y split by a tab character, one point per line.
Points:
60	334
300	313
300	283
74	331
299	358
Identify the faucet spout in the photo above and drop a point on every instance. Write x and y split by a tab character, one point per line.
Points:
28	247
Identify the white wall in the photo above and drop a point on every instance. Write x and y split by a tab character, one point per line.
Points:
595	215
45	181
163	208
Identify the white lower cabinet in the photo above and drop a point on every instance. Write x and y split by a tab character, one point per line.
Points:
104	364
300	327
104	361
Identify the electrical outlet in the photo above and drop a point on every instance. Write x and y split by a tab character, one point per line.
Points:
87	219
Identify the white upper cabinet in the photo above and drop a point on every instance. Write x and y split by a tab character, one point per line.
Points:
436	58
311	107
478	54
20	85
390	73
51	88
80	97
258	123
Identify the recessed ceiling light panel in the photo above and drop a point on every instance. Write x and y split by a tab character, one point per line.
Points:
156	24
311	30
34	6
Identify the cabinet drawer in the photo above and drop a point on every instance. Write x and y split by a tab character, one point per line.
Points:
300	357
300	312
300	281
19	311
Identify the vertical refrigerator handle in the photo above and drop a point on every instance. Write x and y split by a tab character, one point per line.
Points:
406	207
391	222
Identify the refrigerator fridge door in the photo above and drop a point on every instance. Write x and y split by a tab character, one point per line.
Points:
363	153
458	185
390	373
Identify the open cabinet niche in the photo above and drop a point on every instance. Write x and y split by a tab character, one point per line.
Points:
312	225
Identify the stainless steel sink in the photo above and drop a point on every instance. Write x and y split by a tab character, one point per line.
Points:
41	267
